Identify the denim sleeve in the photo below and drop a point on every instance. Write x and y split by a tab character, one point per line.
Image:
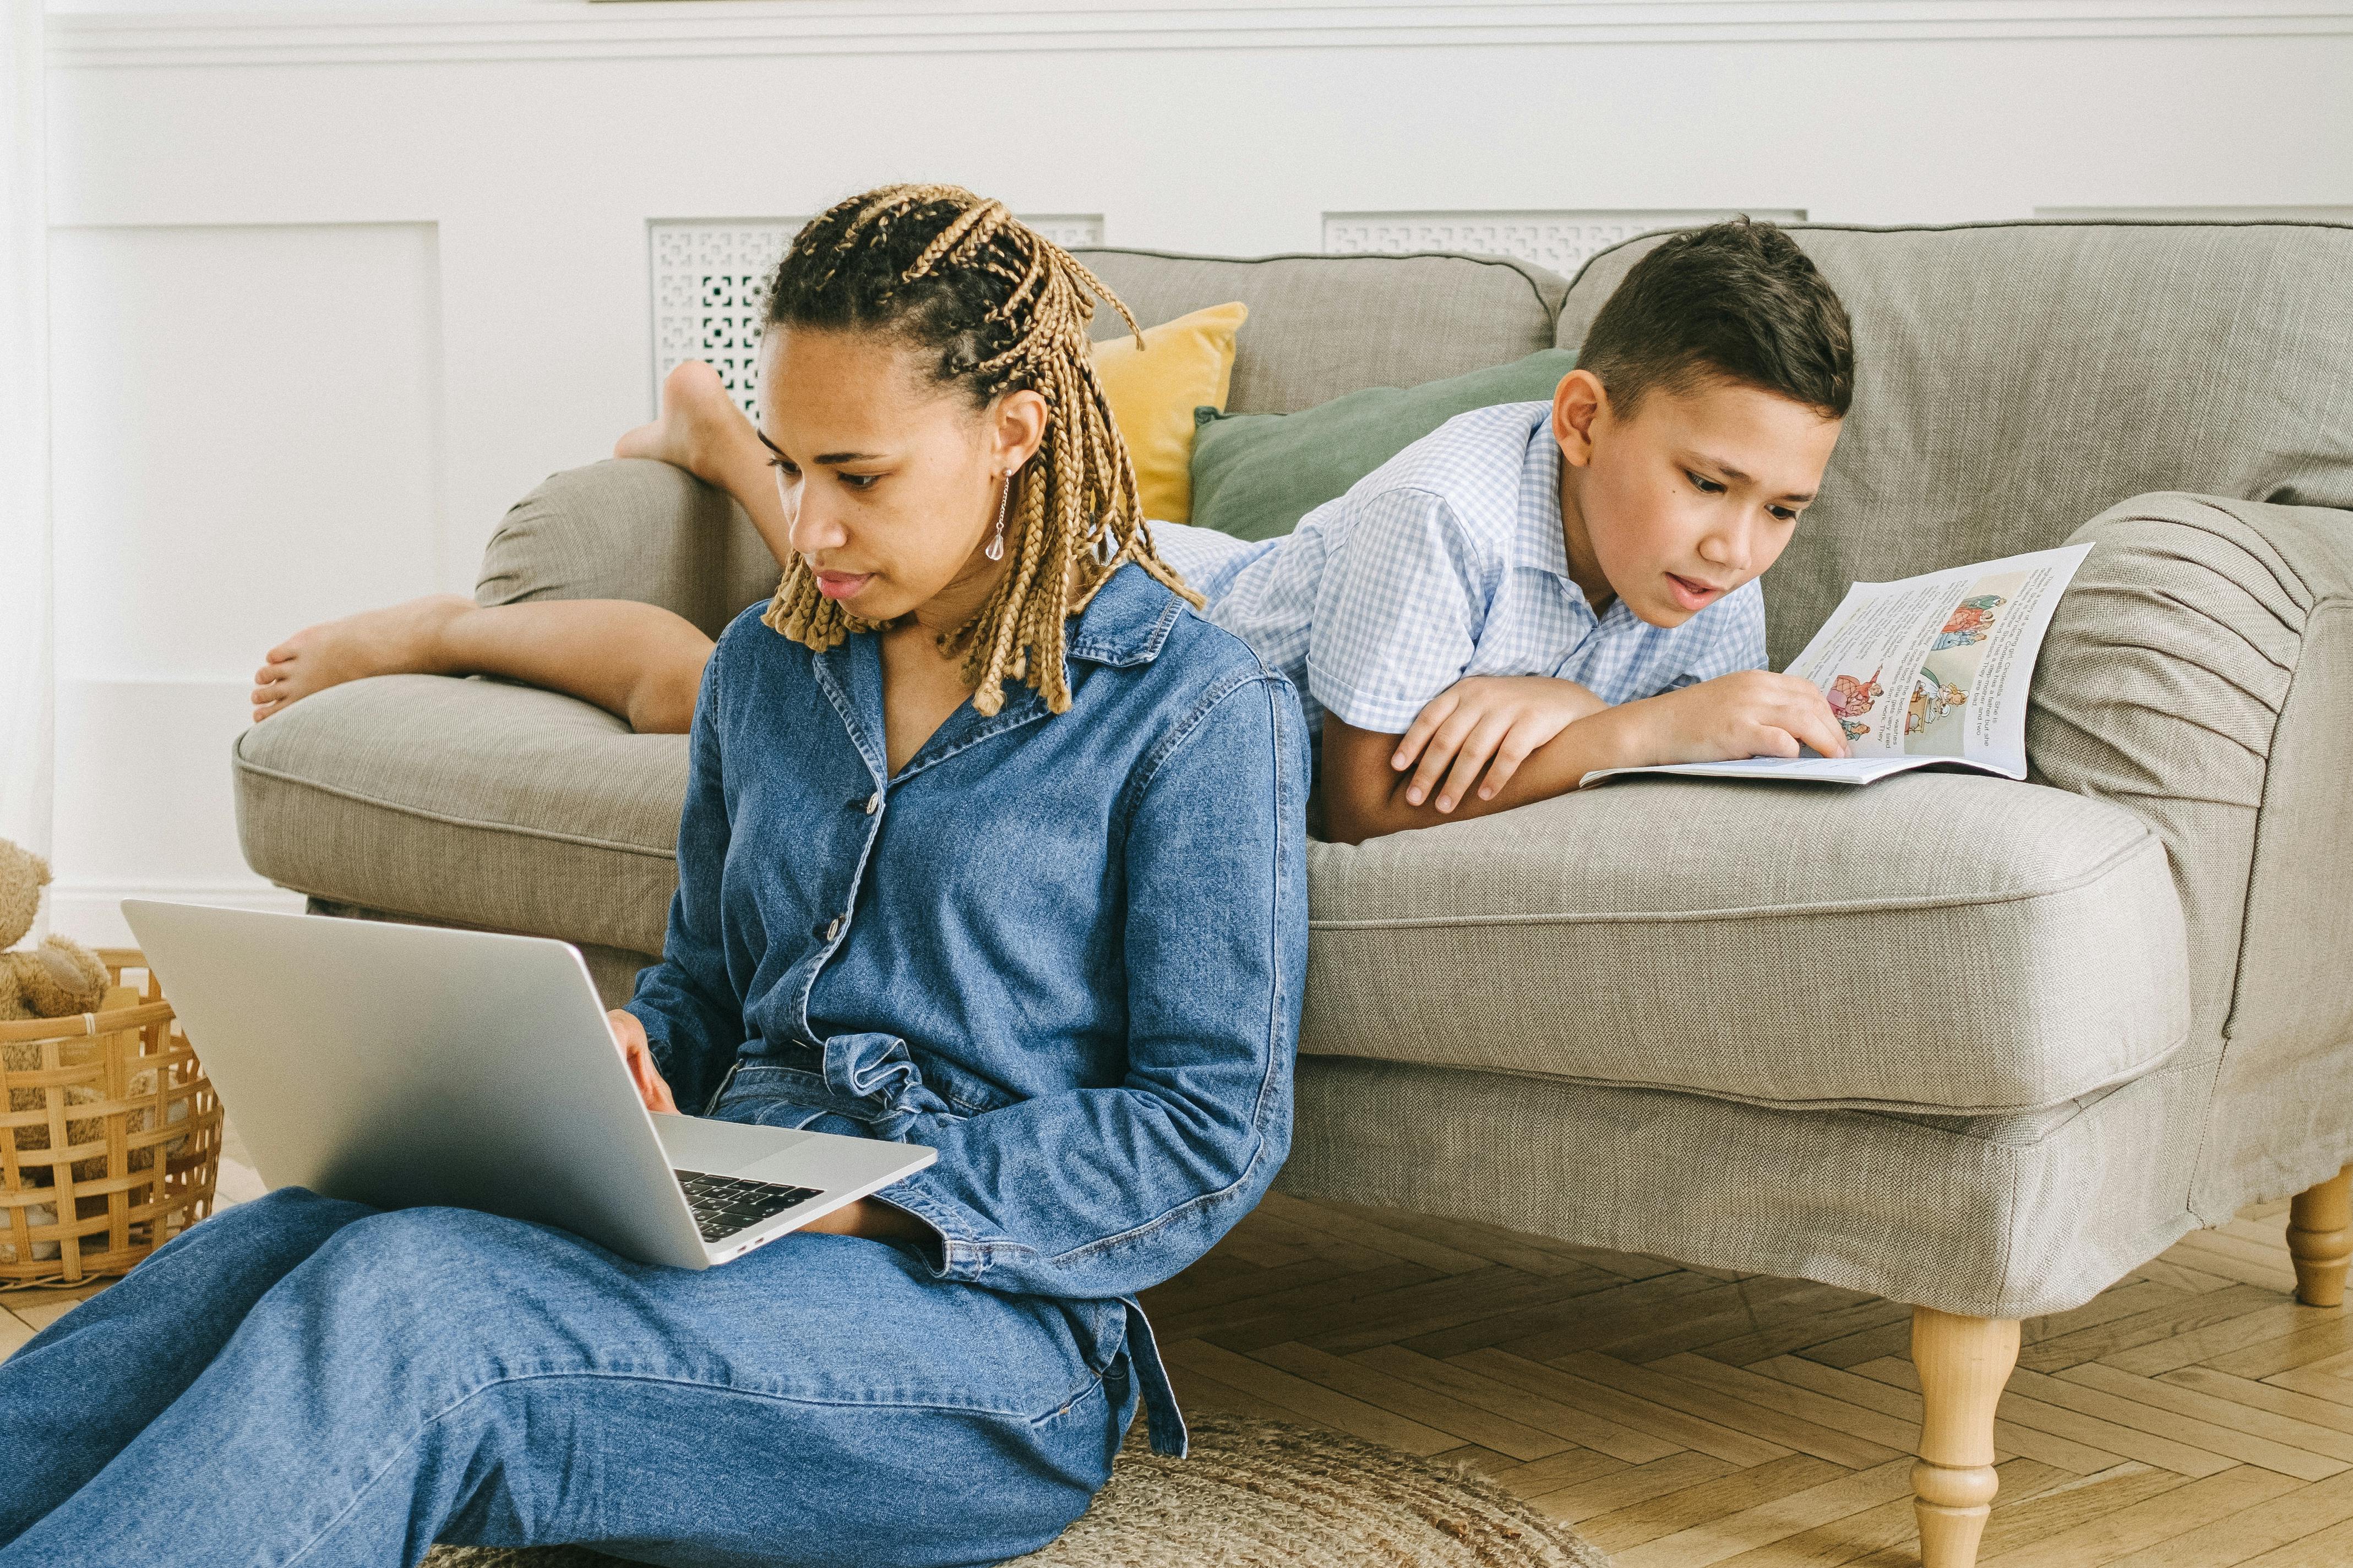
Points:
1104	1191
692	1013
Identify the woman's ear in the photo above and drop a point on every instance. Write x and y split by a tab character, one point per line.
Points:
1576	401
1020	428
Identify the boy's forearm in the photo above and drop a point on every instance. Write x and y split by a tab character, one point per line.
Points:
1618	736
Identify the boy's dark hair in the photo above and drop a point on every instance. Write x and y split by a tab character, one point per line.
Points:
1735	300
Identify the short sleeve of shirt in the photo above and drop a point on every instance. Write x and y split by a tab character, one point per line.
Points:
1735	640
1397	613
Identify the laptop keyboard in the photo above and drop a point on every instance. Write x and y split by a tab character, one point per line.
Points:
725	1205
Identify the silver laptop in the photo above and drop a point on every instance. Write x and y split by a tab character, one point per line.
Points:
403	1065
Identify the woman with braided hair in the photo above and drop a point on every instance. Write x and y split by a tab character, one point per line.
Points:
991	844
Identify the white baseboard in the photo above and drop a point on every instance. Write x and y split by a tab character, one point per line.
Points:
91	913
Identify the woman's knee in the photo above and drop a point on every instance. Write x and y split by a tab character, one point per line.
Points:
452	1277
289	1223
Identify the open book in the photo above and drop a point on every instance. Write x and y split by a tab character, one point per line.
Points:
1928	670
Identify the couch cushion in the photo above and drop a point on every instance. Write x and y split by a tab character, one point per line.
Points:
1182	365
1256	475
1933	943
2014	380
1323	325
476	802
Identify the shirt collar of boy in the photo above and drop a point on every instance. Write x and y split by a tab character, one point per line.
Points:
1541	540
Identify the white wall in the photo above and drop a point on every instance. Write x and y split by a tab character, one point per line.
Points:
335	285
27	708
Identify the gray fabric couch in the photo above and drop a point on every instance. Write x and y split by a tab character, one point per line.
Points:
1975	1046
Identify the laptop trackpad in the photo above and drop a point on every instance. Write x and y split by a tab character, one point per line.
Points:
721	1148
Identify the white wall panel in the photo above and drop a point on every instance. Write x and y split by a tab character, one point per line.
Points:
247	429
27	674
247	435
2339	214
146	808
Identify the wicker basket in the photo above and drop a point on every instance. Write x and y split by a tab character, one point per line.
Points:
109	1135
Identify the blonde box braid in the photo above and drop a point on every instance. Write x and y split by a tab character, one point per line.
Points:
1078	489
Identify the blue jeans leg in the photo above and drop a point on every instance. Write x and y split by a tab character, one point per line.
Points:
438	1373
87	1385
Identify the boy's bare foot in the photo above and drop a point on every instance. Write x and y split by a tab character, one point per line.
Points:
695	408
402	638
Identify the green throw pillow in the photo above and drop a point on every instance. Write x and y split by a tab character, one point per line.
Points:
1256	475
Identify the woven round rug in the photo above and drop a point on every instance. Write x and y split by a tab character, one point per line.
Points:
1254	1494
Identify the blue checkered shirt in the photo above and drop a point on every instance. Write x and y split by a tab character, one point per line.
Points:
1447	561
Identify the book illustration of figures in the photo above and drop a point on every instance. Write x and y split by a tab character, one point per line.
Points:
1851	699
1970	620
1932	717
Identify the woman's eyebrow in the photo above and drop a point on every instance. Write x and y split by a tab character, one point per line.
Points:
828	459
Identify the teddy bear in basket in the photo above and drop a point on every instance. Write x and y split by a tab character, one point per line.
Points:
59	979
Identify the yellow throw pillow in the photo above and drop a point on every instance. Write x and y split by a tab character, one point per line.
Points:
1184	364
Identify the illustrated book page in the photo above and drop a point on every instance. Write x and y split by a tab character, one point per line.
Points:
1932	669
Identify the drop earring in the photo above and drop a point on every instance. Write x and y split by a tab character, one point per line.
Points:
994	550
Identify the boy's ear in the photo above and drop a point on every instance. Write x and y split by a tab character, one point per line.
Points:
1577	403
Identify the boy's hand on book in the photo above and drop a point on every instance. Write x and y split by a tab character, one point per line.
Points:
1749	713
1487	722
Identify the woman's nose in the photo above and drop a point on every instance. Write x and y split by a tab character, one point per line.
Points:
811	528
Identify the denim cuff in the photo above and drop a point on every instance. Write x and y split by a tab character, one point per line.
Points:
962	1251
657	1046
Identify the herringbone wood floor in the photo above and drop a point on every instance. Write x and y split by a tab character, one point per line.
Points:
2192	1417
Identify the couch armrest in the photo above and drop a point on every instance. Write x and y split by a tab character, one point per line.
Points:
629	528
2199	671
476	802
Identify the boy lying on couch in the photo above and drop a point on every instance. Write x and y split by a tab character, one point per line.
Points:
1530	592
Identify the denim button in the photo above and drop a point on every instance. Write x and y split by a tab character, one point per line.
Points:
833	928
874	803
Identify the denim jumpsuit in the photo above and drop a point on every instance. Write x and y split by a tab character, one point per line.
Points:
1066	951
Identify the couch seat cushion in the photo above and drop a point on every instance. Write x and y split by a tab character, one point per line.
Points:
1932	942
1936	943
473	801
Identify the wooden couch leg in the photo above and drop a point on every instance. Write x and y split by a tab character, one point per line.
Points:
2320	1238
1963	1363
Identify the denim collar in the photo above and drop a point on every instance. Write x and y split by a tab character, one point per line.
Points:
1125	623
1127	620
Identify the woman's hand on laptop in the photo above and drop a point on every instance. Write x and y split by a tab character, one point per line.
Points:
630	1036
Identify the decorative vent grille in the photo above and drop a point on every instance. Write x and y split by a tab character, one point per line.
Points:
1557	241
710	276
